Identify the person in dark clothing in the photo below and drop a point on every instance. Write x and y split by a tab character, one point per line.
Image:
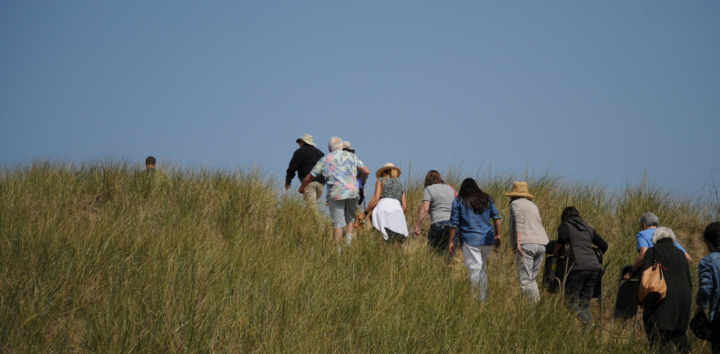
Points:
583	262
708	295
667	321
150	164
303	161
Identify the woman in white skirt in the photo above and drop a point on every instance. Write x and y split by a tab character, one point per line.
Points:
388	205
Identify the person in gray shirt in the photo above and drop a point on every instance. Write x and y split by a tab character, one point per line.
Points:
437	201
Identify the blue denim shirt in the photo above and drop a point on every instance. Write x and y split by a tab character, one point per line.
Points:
475	229
709	287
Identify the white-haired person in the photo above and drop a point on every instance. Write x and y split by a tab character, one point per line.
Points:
388	205
340	170
667	321
648	224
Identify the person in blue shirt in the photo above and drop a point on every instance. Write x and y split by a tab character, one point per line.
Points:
708	294
471	212
648	223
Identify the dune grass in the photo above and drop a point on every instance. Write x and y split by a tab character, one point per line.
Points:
104	258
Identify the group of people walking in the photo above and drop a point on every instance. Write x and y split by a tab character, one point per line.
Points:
469	219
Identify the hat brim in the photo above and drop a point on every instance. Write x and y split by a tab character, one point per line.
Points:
304	141
379	172
519	194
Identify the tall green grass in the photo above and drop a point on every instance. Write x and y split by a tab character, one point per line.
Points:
104	258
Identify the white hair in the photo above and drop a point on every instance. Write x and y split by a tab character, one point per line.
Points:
663	232
335	143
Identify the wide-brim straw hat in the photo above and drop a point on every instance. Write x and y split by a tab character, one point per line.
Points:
520	189
387	166
307	138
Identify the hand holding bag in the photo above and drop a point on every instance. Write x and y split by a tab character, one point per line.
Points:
653	287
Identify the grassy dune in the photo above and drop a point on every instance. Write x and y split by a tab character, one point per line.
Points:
102	258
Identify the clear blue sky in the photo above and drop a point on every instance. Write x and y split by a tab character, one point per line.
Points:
606	90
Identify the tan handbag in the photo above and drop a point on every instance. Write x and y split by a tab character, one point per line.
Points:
652	284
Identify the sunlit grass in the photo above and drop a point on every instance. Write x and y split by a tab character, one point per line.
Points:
104	258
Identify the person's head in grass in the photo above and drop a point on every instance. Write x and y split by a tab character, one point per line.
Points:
711	235
150	163
649	221
433	177
472	196
568	212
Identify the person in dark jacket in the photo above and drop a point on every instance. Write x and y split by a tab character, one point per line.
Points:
303	161
708	295
667	321
583	262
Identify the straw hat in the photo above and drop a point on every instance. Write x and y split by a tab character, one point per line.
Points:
519	189
387	166
347	146
307	138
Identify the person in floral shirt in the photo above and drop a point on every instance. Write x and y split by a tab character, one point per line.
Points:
340	169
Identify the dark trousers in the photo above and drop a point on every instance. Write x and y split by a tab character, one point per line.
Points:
439	238
579	287
661	339
715	341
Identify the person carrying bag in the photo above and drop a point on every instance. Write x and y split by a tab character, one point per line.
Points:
652	284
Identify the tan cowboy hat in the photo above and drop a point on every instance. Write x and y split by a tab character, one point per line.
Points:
307	138
387	166
519	189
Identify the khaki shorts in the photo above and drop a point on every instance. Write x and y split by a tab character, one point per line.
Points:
313	191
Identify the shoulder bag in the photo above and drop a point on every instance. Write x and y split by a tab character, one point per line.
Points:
652	283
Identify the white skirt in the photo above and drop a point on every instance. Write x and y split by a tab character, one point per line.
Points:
388	213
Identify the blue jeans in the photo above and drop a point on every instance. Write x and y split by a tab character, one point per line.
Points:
439	237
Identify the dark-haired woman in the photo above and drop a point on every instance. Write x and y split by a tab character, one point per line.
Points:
437	201
472	212
708	295
584	264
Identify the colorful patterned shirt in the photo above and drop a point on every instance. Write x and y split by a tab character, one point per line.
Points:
340	169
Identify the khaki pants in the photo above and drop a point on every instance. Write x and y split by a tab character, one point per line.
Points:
313	191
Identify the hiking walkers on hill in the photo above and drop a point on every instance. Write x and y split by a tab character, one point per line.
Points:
388	205
528	238
708	295
648	224
667	321
340	170
303	161
362	180
471	213
583	262
437	201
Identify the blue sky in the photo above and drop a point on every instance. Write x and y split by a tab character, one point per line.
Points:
606	90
